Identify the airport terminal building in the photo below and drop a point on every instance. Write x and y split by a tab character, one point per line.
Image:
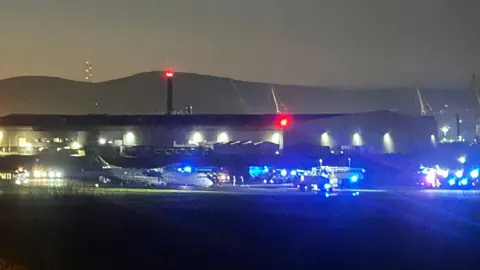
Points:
380	131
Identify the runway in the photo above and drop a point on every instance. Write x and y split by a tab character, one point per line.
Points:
250	226
285	191
253	190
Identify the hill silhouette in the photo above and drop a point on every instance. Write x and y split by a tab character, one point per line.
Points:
144	93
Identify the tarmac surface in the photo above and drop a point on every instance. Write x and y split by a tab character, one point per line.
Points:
274	227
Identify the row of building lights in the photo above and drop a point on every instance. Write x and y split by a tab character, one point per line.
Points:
357	140
325	139
128	139
223	137
196	138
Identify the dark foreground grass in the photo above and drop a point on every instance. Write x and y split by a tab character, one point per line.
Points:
6	265
213	231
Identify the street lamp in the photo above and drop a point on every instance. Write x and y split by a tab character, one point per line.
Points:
197	137
321	162
223	137
129	139
462	159
276	138
325	139
349	162
357	139
445	130
75	145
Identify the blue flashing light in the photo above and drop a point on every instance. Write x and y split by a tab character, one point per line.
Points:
258	171
354	178
179	170
187	169
459	173
355	193
363	170
474	173
283	173
293	173
451	182
464	182
327	186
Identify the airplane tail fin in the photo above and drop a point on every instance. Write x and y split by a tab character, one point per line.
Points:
91	152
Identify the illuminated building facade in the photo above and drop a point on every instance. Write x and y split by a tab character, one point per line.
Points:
382	131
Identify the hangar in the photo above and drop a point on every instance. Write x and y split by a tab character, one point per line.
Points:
379	131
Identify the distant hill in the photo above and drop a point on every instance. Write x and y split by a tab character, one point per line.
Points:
145	94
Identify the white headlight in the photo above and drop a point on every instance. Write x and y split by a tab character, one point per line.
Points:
58	174
474	173
51	174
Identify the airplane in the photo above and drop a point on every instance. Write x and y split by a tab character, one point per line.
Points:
91	167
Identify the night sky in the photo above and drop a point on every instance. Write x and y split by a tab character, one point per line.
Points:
359	43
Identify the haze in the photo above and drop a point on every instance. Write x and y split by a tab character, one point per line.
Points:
358	43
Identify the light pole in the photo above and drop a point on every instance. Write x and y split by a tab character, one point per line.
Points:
283	123
321	163
349	162
445	130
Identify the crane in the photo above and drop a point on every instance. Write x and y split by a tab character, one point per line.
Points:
280	108
424	106
475	88
244	105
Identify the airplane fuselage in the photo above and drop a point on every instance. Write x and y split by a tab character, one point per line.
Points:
94	169
139	177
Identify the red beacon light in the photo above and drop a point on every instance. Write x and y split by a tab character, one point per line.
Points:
169	73
284	121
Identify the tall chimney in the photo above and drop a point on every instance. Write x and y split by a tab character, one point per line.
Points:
169	95
169	77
